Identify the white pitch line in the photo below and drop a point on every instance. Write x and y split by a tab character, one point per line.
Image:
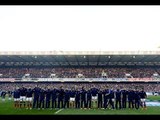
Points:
58	111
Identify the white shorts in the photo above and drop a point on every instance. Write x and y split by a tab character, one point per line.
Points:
29	99
72	99
22	98
94	97
9	98
16	99
112	99
143	100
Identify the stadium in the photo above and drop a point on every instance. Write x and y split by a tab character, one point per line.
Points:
79	60
114	69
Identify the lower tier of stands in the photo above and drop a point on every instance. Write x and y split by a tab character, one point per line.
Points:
148	87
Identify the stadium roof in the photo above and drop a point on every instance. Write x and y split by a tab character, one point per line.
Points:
80	58
153	52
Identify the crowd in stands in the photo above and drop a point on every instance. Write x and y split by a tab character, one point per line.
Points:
148	87
73	72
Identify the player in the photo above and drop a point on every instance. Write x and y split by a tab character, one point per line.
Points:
9	95
83	98
48	97
16	96
112	98
22	96
66	98
0	92
77	98
42	93
3	95
61	94
29	99
106	93
72	97
137	99
100	92
36	93
94	93
54	97
118	99
131	99
124	98
89	99
143	97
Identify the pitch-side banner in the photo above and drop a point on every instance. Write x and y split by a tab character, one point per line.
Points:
81	79
140	79
7	79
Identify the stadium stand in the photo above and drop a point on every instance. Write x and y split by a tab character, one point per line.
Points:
73	72
91	66
148	87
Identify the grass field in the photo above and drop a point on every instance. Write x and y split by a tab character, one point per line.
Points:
152	97
6	108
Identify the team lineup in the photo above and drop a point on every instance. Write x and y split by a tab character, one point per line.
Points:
84	98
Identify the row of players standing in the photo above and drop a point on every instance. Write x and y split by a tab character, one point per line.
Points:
75	98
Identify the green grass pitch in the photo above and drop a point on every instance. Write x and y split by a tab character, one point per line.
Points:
6	108
152	97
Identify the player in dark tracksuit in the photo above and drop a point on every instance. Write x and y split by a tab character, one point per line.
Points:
29	94
66	98
48	98
3	95
89	99
130	99
124	98
54	93
118	99
9	95
100	99
143	96
42	98
23	91
111	98
106	93
77	99
72	96
94	92
137	99
16	95
83	98
61	94
36	92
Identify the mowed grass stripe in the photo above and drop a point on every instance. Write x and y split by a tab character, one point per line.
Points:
149	111
58	111
7	108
